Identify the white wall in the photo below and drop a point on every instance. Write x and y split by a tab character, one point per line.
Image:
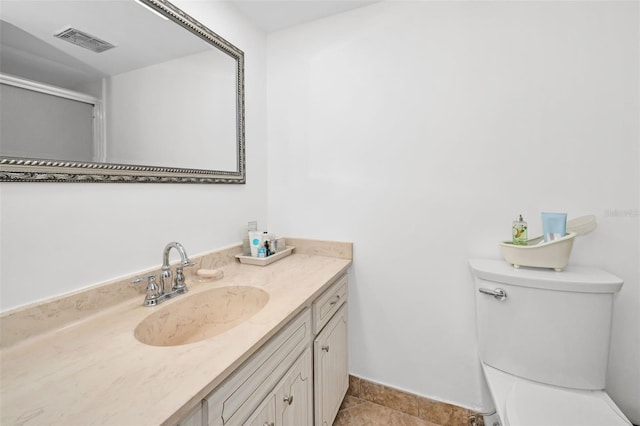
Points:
419	130
58	238
416	130
141	120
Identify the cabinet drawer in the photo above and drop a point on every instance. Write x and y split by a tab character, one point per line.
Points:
328	303
240	394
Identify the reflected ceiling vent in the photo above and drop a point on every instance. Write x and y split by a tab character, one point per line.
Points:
82	39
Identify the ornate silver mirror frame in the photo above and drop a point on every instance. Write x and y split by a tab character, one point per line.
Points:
13	169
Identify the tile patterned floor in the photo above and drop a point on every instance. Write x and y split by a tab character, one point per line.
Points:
372	404
359	412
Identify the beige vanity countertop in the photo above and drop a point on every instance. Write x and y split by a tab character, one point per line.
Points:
96	372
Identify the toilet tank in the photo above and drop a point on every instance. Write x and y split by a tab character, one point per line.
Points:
552	327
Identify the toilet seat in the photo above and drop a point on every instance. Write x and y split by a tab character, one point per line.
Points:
521	402
535	404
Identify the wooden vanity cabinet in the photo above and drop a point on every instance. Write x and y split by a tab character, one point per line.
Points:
298	378
194	418
330	352
265	414
294	394
244	397
290	402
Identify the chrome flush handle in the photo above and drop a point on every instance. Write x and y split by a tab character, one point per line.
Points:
498	293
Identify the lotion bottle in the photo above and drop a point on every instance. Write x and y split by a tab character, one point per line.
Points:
519	232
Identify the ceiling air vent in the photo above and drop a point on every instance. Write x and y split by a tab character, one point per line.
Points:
85	40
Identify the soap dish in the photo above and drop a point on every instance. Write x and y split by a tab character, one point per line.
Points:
264	261
207	275
553	254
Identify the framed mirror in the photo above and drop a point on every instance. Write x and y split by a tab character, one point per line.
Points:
117	91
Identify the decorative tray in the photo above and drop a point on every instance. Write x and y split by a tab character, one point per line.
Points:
264	261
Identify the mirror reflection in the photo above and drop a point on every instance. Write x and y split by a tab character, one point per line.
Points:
117	83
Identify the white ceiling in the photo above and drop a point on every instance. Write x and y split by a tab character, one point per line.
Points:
28	50
274	15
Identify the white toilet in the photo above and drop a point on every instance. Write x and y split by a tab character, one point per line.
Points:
543	339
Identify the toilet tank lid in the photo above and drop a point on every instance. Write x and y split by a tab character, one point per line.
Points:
573	278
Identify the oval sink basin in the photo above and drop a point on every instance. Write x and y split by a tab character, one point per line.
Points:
201	316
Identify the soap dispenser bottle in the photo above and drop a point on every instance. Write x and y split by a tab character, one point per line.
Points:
519	231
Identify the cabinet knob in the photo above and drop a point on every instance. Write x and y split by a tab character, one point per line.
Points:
337	298
268	424
288	399
325	348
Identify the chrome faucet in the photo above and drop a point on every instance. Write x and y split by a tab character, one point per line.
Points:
178	285
156	295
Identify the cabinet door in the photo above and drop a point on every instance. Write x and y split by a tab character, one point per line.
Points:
233	402
265	414
293	394
331	370
194	418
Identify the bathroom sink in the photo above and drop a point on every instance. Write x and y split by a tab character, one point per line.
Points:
201	316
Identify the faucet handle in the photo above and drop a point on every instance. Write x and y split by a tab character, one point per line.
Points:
153	291
141	278
179	284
